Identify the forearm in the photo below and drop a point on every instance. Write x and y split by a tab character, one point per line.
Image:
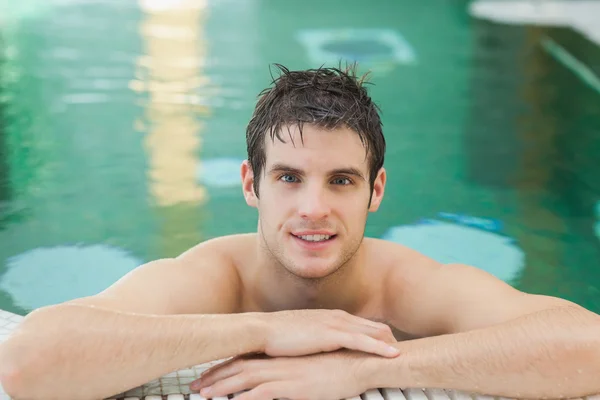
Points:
78	352
550	354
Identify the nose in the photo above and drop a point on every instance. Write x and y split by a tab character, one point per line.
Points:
314	204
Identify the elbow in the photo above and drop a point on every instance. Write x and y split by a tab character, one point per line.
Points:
22	358
16	386
20	365
10	376
19	372
9	381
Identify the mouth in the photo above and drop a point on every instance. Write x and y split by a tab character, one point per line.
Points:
315	238
314	242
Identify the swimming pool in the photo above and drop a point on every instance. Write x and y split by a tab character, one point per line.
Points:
122	129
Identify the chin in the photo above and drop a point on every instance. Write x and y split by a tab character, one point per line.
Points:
312	269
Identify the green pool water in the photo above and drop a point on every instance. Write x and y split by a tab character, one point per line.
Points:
122	129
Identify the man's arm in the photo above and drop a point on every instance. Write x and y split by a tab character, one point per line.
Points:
490	338
548	354
77	352
138	329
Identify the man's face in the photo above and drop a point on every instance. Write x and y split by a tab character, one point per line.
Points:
314	199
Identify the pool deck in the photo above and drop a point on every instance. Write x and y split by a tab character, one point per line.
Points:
581	15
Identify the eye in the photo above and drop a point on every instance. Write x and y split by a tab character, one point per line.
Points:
341	181
288	178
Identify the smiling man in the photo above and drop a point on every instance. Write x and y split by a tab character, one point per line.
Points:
307	307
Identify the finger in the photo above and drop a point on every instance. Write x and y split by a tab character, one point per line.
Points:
204	382
221	364
364	321
227	363
271	390
380	331
356	324
239	382
386	334
239	364
376	329
367	344
217	373
209	380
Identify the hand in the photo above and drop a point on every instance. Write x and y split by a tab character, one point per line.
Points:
339	375
304	332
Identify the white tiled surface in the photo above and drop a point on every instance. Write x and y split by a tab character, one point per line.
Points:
176	383
8	323
581	15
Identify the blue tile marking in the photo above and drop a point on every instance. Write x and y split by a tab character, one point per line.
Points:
369	46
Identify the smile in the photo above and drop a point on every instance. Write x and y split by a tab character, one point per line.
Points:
315	238
316	242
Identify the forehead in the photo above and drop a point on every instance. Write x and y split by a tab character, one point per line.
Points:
318	147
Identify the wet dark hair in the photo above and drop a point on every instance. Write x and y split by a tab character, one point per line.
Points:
326	97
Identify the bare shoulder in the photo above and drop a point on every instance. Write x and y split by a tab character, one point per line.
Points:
201	280
400	262
404	273
424	297
402	269
227	248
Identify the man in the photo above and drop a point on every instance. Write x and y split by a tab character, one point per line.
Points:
306	306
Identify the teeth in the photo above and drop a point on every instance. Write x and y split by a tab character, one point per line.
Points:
314	238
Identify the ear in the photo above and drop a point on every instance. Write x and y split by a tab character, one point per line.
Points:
378	190
248	184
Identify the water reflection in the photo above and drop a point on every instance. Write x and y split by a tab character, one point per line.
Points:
75	165
534	138
5	190
169	83
123	148
4	173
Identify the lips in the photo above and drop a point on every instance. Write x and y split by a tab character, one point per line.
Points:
315	237
314	241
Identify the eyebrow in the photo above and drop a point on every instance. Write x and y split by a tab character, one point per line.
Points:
281	167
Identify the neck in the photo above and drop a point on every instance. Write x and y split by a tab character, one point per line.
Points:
276	288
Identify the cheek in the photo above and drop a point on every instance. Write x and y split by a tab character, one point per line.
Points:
356	205
272	211
276	201
355	213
